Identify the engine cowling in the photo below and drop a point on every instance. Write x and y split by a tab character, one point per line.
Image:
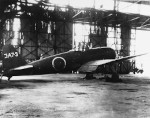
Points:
59	63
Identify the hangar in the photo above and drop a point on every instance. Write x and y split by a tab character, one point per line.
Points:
48	27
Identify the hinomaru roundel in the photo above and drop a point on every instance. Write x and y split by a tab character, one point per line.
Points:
59	63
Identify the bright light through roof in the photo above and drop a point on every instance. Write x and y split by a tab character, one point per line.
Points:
59	2
98	4
82	3
125	7
134	8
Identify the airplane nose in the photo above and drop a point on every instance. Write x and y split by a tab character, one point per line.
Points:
112	53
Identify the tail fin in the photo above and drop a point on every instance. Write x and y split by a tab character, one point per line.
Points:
11	58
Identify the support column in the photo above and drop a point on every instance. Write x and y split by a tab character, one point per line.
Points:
126	66
125	40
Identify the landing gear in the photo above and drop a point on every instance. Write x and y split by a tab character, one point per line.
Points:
9	78
1	75
113	78
89	76
115	75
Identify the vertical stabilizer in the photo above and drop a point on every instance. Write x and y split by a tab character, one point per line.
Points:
11	58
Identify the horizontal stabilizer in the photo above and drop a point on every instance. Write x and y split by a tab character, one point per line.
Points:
24	67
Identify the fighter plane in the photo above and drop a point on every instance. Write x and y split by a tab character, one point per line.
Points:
84	61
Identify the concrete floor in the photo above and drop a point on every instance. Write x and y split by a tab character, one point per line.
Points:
69	96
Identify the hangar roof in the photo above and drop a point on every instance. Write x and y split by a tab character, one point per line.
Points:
45	12
146	2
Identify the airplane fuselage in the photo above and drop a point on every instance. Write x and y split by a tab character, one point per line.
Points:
65	62
71	60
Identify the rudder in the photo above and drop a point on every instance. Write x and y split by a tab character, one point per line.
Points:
11	58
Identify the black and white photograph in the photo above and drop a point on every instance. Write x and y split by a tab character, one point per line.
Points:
74	59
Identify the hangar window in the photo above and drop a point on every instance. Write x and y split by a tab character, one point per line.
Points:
114	38
16	28
81	33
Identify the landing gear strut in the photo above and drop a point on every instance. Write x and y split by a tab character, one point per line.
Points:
115	75
89	76
1	77
114	78
9	78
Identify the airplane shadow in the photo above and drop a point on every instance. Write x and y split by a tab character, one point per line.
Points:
32	83
20	84
29	83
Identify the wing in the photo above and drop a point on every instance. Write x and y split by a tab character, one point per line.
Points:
92	65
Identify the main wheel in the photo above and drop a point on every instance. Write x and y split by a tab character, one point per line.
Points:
89	76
